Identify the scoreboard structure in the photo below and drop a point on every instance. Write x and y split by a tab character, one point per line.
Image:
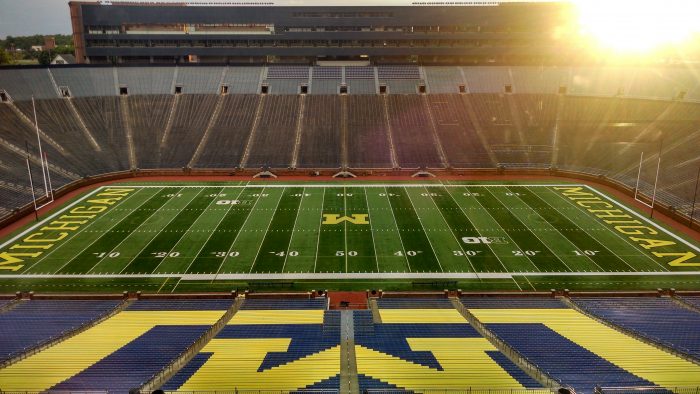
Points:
463	32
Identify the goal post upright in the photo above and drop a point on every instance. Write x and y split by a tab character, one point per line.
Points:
639	175
656	181
45	173
48	176
31	186
41	152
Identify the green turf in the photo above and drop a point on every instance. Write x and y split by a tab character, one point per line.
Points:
218	236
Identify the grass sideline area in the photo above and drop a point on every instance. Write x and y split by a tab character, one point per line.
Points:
219	236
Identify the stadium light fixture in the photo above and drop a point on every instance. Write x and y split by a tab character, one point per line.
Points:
637	26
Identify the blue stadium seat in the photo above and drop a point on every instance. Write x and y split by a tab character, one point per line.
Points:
32	323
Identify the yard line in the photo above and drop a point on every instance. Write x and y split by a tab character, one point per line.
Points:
627	241
135	230
579	227
537	268
176	285
371	231
98	238
452	232
62	244
166	225
318	237
345	226
529	283
149	242
475	228
175	244
517	284
161	286
211	233
533	233
240	230
266	230
408	264
289	246
424	232
560	233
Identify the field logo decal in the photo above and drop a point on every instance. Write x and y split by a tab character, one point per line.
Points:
356	218
38	242
484	240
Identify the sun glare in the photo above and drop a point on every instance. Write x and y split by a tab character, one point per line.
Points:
636	26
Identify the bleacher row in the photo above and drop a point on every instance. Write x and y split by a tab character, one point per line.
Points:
290	345
601	136
45	83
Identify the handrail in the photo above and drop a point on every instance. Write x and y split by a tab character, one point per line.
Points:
167	372
519	359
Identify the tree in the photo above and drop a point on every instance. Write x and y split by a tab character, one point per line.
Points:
44	58
64	49
5	57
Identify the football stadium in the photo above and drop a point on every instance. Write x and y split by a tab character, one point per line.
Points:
468	197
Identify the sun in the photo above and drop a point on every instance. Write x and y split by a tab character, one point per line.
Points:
637	26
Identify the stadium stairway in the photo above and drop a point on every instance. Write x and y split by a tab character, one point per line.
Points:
8	304
688	302
512	354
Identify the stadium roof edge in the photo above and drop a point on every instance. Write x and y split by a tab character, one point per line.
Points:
312	3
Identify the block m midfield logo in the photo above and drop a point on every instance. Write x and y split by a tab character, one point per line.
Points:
356	218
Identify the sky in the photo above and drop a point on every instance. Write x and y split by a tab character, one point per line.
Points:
28	17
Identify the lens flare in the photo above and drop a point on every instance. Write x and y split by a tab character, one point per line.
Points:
635	26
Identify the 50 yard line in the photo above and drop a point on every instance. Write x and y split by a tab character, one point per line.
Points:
320	222
371	231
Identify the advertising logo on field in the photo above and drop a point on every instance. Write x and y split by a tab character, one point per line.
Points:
484	240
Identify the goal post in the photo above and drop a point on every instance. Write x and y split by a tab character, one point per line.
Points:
637	193
648	199
45	173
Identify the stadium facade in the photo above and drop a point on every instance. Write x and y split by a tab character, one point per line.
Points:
427	32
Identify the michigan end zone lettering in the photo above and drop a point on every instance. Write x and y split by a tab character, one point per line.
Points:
43	239
643	235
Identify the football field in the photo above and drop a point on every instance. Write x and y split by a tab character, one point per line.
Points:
208	236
